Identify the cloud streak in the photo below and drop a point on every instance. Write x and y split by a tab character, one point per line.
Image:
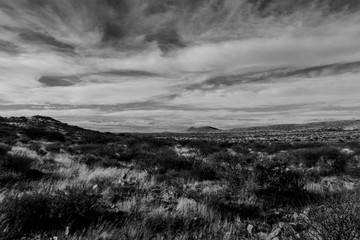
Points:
164	65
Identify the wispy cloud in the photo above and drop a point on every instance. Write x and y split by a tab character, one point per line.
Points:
152	66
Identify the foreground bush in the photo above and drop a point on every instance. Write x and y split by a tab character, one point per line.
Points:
190	229
323	156
202	171
17	163
337	219
279	185
74	208
277	177
24	214
4	149
162	161
225	205
53	148
8	134
231	168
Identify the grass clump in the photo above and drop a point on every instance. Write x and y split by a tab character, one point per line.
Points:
73	208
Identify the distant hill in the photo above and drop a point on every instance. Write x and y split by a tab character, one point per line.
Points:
47	123
24	129
203	129
16	124
344	125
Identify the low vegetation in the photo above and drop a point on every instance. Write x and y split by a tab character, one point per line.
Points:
80	184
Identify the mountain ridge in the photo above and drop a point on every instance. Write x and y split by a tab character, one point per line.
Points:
325	125
203	129
52	124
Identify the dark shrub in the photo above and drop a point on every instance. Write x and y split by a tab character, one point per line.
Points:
55	136
160	223
94	149
276	176
163	160
156	223
37	133
126	156
353	166
204	147
309	157
279	185
157	142
97	137
240	148
33	174
90	160
37	147
17	163
199	171
4	149
325	155
259	146
8	134
171	176
202	171
75	207
230	210
24	214
24	140
53	148
121	192
97	161
8	178
220	157
231	168
225	204
338	218
115	151
109	163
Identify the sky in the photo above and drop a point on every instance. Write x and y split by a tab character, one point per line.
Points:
167	65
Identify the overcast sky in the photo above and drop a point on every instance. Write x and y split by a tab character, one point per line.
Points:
158	65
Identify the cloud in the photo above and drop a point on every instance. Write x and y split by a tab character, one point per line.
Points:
8	47
54	81
46	41
97	77
152	65
325	90
278	74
